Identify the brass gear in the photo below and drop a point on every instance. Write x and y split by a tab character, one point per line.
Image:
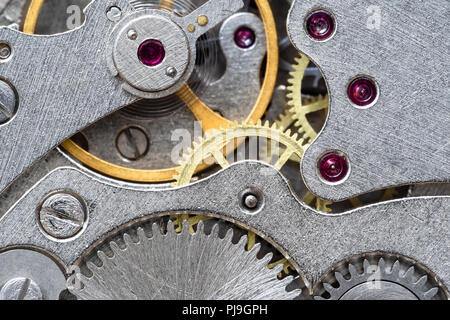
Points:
296	116
212	145
201	111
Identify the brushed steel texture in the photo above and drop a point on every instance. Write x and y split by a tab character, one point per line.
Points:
413	227
183	266
63	82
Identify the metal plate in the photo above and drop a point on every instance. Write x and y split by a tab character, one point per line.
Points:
404	137
412	227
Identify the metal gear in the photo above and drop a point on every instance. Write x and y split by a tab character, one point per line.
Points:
201	111
182	266
379	276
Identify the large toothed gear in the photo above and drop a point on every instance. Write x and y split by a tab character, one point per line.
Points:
183	266
380	277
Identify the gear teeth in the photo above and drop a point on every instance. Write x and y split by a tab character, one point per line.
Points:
366	265
275	127
120	276
243	241
184	229
102	256
278	268
267	258
401	272
141	235
215	230
156	231
352	270
217	140
295	137
201	227
382	264
256	249
229	235
340	278
421	282
127	239
395	268
114	247
92	266
328	287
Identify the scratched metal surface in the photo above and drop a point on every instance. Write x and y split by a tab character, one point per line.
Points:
404	137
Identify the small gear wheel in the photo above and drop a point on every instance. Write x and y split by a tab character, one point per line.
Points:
299	110
213	147
378	276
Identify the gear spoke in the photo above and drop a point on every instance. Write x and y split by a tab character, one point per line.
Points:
221	160
314	107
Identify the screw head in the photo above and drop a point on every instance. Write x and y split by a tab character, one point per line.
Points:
114	14
333	167
62	215
20	289
5	51
132	143
132	34
8	102
320	25
362	91
151	52
191	28
251	200
244	37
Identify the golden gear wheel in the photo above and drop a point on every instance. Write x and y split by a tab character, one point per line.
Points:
212	147
201	111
